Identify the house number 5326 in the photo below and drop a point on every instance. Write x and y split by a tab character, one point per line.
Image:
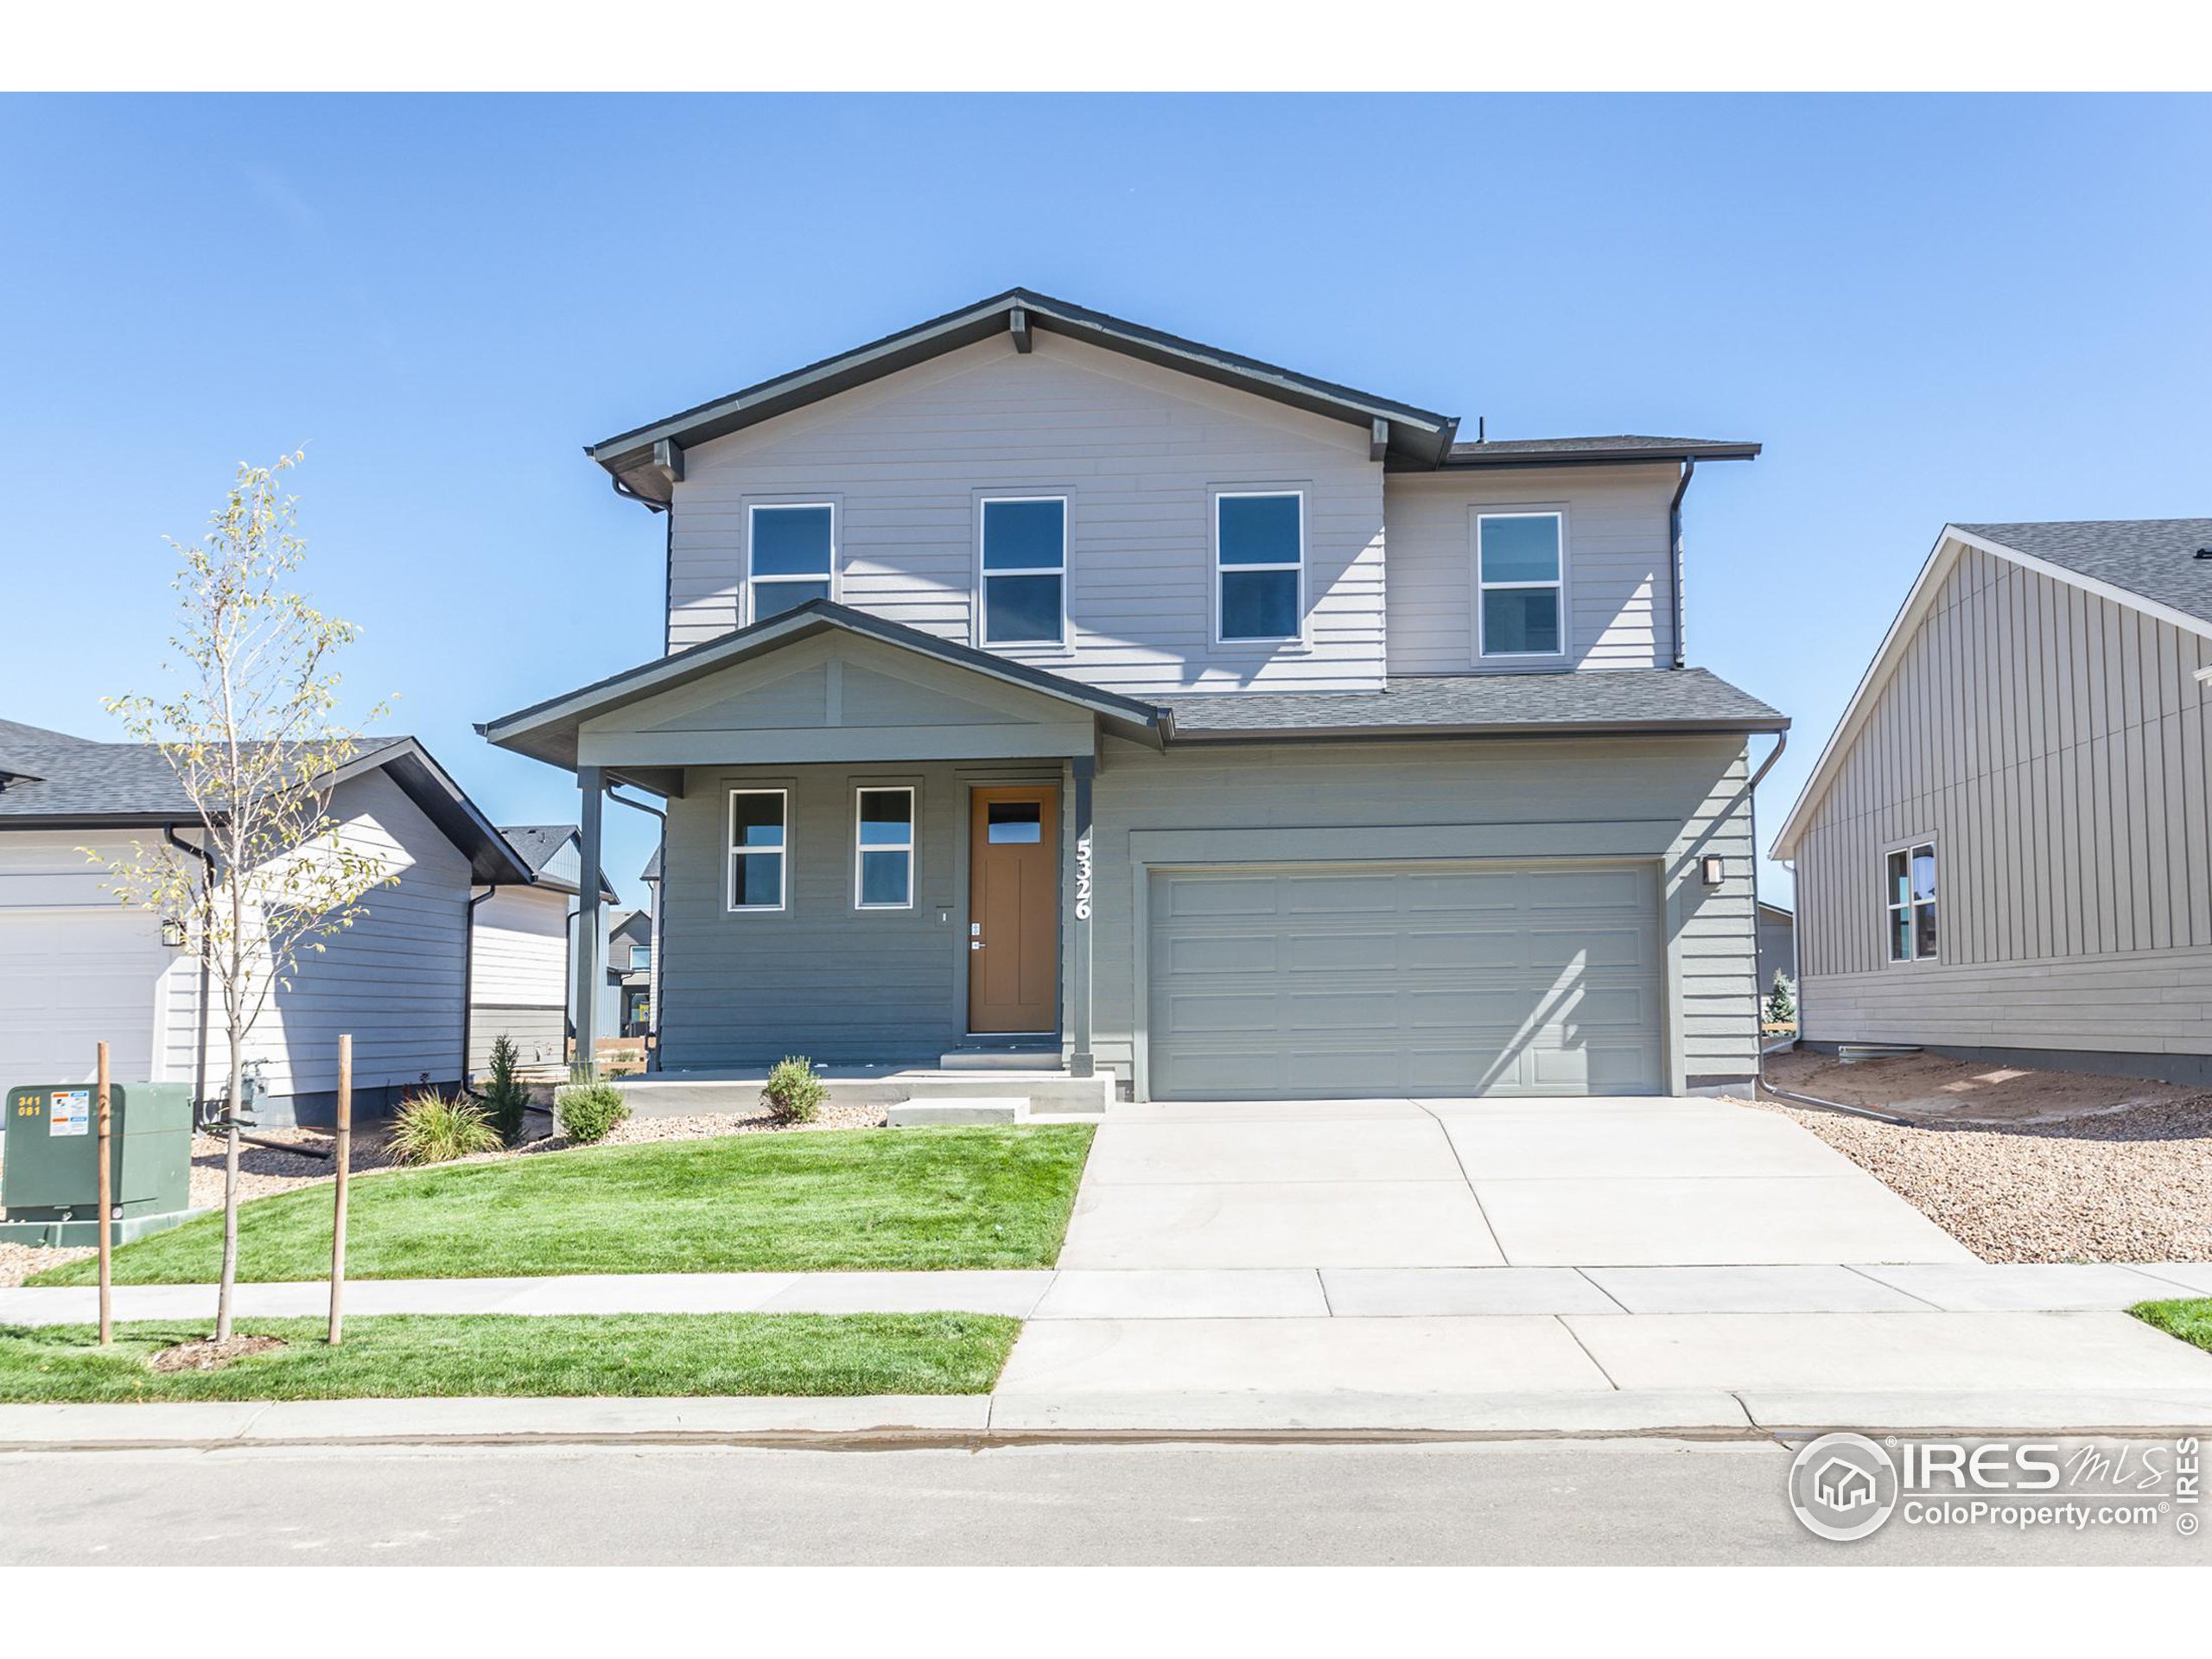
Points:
1083	877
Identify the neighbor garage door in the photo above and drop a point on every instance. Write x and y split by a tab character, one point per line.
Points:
1344	980
72	980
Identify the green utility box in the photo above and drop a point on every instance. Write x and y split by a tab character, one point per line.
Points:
49	1180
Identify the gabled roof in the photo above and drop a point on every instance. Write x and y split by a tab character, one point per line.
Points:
548	730
58	781
1418	437
1439	705
536	843
2152	565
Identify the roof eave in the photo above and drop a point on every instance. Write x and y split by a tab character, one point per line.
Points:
1746	726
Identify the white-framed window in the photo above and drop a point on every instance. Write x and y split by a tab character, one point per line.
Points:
1025	569
756	850
1909	901
883	849
793	553
641	957
1259	557
1520	583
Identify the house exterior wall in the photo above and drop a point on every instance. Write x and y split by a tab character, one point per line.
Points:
1135	449
2053	743
519	987
1618	605
1777	948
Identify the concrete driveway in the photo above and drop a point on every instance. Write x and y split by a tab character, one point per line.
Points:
1416	1184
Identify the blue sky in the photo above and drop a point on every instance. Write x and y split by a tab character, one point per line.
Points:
1976	308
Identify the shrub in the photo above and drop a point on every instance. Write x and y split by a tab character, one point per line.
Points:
435	1129
505	1099
1781	1007
795	1091
588	1112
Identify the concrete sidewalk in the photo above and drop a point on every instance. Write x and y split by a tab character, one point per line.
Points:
1140	1294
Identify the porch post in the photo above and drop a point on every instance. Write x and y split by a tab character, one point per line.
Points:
591	783
1079	1060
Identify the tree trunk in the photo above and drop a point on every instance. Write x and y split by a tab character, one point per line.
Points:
229	1274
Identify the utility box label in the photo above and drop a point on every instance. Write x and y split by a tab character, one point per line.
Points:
71	1112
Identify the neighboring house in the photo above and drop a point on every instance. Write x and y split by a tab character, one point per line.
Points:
1039	681
520	944
1777	945
77	968
2003	851
630	970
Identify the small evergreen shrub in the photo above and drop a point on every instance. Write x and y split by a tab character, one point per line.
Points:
795	1091
589	1112
1781	1007
435	1129
505	1099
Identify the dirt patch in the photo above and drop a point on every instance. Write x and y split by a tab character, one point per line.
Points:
208	1355
2067	1167
1928	1088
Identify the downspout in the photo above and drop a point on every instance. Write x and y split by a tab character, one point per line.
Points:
1781	742
1675	566
652	978
199	1034
468	977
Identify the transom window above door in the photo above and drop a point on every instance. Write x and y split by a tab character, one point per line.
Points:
1025	571
1909	881
793	551
1517	580
1259	565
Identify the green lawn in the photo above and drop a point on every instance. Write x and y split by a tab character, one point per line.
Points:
396	1356
2190	1319
945	1197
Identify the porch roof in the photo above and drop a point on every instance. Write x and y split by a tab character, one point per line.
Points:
551	730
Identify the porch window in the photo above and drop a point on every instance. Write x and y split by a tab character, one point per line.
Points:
792	552
883	876
1259	565
1910	902
1518	578
1025	571
756	848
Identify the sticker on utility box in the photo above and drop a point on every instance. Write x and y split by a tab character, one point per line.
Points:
73	1112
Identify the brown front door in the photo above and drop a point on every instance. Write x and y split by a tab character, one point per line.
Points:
1013	969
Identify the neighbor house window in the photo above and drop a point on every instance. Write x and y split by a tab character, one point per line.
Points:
793	551
1909	887
883	877
1025	571
641	956
1517	579
1259	558
756	848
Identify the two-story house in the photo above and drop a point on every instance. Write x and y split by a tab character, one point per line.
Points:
1034	680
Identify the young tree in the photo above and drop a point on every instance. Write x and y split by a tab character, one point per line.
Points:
1781	1007
250	727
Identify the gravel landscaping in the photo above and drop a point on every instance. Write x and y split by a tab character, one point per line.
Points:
2078	1173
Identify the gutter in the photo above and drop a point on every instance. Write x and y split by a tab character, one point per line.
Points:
468	976
1674	563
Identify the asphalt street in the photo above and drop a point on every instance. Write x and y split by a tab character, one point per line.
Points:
1595	1503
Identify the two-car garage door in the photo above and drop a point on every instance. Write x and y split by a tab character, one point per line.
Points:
1437	979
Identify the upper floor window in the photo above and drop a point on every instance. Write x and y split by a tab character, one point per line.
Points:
1025	571
883	878
1259	565
793	550
1910	898
756	848
641	956
1517	577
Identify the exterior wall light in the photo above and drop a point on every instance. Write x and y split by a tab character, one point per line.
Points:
172	933
1713	870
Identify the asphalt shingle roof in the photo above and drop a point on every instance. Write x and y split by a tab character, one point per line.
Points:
537	842
60	777
2154	557
1644	699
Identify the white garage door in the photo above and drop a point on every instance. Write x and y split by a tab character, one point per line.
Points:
71	979
1346	980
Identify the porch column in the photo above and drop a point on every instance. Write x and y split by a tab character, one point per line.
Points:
1079	1060
591	783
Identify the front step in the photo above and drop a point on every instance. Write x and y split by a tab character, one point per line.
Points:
683	1094
1000	1059
958	1109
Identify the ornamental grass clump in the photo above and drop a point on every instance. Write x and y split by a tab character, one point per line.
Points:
433	1127
795	1091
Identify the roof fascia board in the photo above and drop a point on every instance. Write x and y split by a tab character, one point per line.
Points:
1604	458
1519	729
1917	602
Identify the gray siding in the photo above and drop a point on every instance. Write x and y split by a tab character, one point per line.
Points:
1678	798
540	1035
1619	611
1136	450
1777	951
2053	744
821	977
